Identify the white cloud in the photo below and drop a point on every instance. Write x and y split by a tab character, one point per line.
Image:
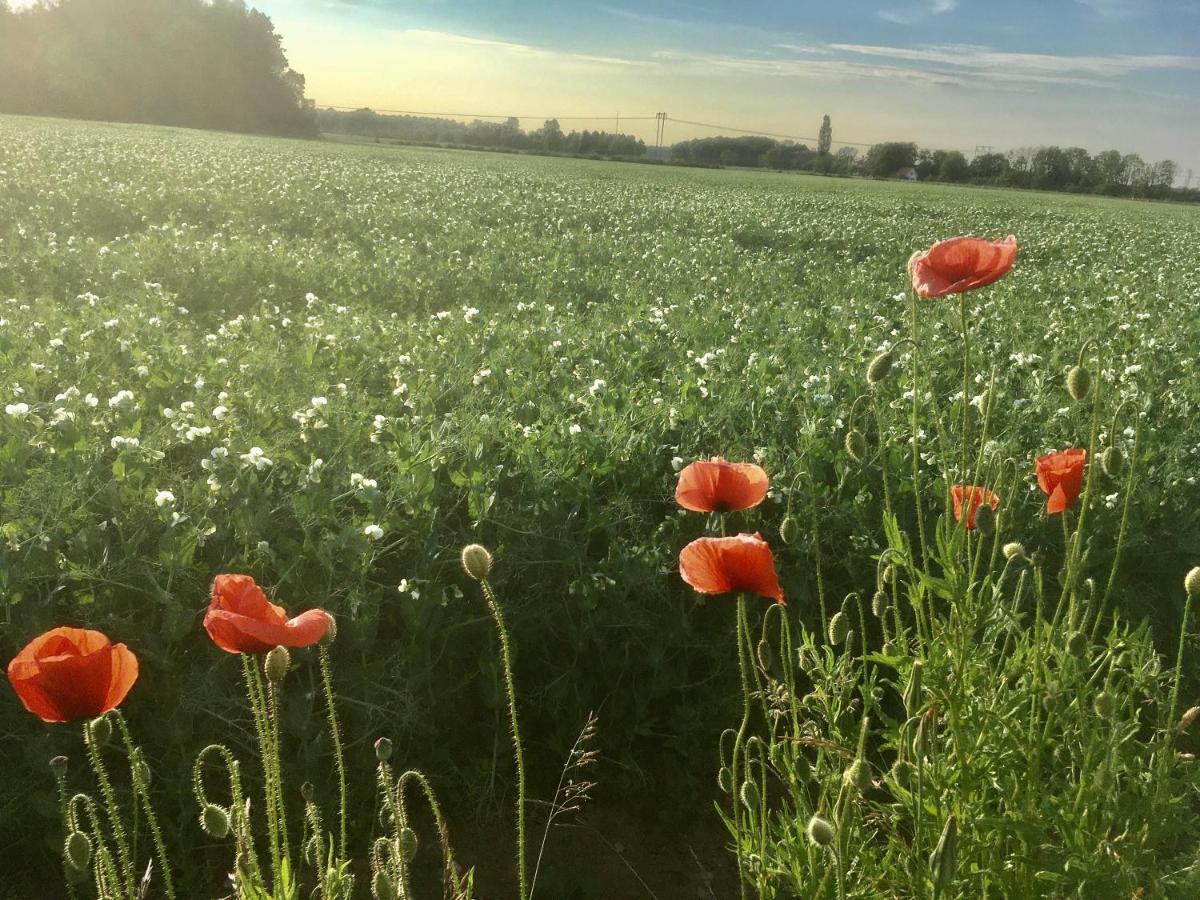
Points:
910	15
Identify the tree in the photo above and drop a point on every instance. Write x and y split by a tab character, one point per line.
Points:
989	168
550	135
954	167
825	137
885	160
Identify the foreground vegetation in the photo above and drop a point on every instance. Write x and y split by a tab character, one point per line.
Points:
332	367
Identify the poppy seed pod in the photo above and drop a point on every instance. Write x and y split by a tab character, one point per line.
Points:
383	749
789	530
1191	583
1014	550
58	765
880	367
941	861
101	730
408	843
1104	704
839	627
880	604
215	821
858	776
78	850
820	832
1077	643
276	664
382	887
750	795
1112	461
856	445
1189	718
476	561
1079	383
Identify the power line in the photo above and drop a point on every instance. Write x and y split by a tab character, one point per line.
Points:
772	134
460	115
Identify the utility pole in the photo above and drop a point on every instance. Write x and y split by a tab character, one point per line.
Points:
660	131
618	128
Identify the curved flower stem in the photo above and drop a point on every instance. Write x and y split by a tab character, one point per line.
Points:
1173	718
277	766
916	451
142	790
114	814
735	784
966	397
254	689
518	751
439	820
336	736
1130	480
104	870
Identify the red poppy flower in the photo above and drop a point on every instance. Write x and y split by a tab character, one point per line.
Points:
719	486
961	264
731	564
72	673
1060	475
240	619
971	496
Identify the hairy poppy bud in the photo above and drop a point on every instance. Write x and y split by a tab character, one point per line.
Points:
331	632
1077	643
891	648
789	530
880	604
214	820
858	776
1189	718
1104	704
383	749
277	663
765	654
101	730
408	843
1014	550
476	561
1112	461
750	795
839	627
880	367
78	850
856	445
58	765
1079	383
985	519
912	693
307	791
903	773
1191	583
382	887
921	738
723	779
941	861
888	575
820	832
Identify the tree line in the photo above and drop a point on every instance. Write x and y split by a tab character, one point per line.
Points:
506	135
199	63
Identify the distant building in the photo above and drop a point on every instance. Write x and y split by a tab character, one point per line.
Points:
908	173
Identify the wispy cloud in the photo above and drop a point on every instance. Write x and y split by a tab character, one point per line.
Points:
910	15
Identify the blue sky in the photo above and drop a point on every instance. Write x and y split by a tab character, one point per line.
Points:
945	73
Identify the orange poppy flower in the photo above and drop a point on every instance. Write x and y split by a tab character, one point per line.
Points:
240	619
971	496
72	673
731	564
1060	476
719	486
961	264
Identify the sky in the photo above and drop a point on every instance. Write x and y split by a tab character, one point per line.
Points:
951	74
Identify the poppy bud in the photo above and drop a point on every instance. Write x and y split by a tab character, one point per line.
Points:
1104	704
1112	461
382	887
880	367
383	749
789	530
1079	383
101	730
1191	583
888	575
1077	643
985	519
858	776
941	861
1050	702
331	632
856	445
214	820
476	561
891	648
880	604
921	738
839	627
408	843
78	850
723	779
307	791
1189	718
912	693
58	765
1014	550
750	795
820	832
764	653
277	663
903	772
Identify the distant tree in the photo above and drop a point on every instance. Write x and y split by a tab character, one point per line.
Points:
845	161
550	135
1050	169
954	167
989	168
885	160
825	137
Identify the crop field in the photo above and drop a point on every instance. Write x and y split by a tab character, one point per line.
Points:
331	366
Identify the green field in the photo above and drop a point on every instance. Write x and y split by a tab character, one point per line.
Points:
459	347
